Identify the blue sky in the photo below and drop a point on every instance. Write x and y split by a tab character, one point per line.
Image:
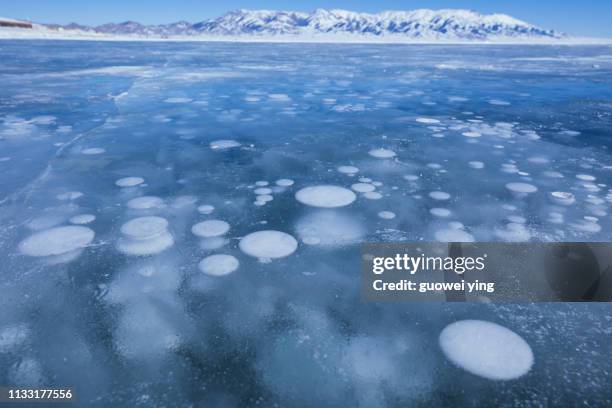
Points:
587	17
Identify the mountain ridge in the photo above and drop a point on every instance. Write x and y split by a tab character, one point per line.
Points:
420	24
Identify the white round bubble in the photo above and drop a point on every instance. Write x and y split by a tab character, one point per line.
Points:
145	203
93	151
223	144
284	182
382	153
82	219
348	169
363	187
326	196
386	215
486	349
562	198
218	265
129	181
522	188
440	212
263	191
206	209
145	247
268	244
427	121
57	241
439	195
70	195
143	228
210	228
372	195
476	165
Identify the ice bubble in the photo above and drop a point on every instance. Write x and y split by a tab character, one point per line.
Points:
70	195
210	228
363	187
411	177
265	198
498	102
206	209
453	235
330	228
93	151
521	188
365	180
177	100
585	177
552	174
143	247
562	198
585	226
45	222
476	164
262	191
261	183
486	349
348	169
218	265
440	212
538	160
326	196
143	228
386	215
439	195
372	195
129	181
471	134
382	153
427	121
57	241
145	203
284	182
268	244
224	144
279	97
82	219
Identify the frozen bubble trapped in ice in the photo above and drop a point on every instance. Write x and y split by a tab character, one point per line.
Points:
57	241
129	181
210	228
382	153
348	169
386	215
144	227
223	144
326	196
268	244
218	265
523	188
439	195
284	182
145	203
93	151
486	349
453	235
363	187
206	209
82	219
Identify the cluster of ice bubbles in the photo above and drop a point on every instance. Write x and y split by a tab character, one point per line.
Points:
264	192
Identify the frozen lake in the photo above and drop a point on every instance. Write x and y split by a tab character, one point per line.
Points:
181	222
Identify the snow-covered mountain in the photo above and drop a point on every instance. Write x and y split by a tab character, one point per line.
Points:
416	25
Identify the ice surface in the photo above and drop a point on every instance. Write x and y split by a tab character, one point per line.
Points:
486	349
126	315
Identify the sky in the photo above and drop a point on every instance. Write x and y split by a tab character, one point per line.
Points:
591	18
